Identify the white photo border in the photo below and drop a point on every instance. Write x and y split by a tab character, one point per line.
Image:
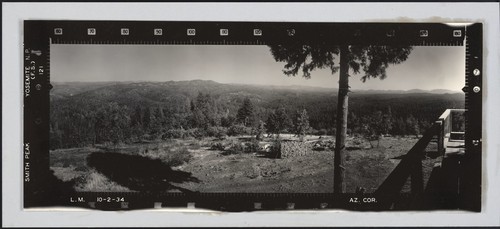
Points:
14	13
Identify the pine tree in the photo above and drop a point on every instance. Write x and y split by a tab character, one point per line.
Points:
372	60
157	118
260	130
302	124
136	121
400	127
412	125
271	124
387	121
278	121
246	112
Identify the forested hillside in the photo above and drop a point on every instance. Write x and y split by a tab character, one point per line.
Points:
94	113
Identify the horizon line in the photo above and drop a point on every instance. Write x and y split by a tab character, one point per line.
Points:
265	85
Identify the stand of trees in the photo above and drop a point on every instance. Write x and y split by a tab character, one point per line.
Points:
84	120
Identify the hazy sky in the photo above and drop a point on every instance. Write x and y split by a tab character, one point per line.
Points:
426	68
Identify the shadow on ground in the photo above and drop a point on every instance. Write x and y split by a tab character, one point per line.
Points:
139	173
429	154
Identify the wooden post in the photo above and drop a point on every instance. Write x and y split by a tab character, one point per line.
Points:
440	137
417	178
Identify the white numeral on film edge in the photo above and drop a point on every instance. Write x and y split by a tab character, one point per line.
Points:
191	32
58	31
91	31
158	32
125	31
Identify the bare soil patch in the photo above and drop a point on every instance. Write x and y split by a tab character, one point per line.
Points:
213	170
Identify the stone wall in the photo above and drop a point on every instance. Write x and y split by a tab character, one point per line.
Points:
295	149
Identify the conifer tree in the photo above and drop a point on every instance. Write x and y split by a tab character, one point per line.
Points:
246	112
302	124
371	60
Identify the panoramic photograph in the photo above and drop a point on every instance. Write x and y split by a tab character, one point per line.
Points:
253	118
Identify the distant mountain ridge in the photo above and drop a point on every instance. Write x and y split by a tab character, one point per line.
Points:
72	88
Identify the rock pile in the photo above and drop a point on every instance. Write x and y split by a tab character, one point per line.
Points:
295	149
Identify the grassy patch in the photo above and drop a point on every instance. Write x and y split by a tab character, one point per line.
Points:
94	181
367	170
247	159
67	173
172	155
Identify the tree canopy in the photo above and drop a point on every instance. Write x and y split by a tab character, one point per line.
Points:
371	60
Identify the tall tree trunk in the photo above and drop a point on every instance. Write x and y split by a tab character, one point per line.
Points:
339	159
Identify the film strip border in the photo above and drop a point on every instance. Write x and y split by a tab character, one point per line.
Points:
235	202
471	174
253	33
43	189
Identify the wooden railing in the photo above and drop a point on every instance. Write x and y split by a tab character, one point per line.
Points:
411	163
445	124
410	166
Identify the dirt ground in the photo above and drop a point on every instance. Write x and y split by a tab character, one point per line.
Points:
214	171
256	173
